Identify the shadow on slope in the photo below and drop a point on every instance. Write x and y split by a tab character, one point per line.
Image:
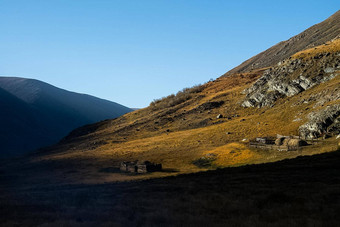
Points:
298	192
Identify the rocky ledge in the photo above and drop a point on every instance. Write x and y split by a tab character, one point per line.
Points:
322	122
291	77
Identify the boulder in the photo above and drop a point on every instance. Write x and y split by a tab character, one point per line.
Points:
321	122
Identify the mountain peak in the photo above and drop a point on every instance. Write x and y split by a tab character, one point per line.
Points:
316	35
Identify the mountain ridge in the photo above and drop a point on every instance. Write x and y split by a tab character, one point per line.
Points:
55	112
315	35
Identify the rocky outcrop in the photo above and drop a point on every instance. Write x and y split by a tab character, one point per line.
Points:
320	98
290	77
321	122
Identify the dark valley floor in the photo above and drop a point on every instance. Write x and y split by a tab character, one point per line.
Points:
298	192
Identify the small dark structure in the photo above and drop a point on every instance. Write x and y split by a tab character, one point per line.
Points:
281	143
265	140
140	167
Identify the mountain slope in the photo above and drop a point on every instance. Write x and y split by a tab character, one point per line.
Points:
313	36
186	134
208	126
19	124
36	114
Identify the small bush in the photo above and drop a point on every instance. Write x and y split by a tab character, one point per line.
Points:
205	161
180	97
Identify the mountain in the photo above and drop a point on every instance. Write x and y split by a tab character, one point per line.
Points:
197	133
209	126
36	114
314	36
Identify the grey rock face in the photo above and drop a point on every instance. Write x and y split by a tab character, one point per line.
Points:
321	98
320	122
329	70
291	77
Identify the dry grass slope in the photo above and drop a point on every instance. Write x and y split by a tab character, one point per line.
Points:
183	134
327	48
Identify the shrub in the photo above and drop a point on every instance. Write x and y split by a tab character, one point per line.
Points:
180	97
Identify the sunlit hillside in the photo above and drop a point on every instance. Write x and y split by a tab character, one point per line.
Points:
181	130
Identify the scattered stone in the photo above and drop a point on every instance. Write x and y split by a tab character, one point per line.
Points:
219	116
329	70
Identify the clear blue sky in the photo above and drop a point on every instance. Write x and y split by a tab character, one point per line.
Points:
132	52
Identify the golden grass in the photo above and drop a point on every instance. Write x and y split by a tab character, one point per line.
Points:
329	47
136	136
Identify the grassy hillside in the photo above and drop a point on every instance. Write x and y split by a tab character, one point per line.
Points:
180	131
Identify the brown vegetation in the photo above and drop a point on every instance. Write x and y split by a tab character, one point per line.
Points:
173	100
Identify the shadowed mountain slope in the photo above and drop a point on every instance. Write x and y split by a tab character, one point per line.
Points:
20	124
313	36
36	114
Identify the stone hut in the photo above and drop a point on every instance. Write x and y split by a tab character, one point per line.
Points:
265	140
128	167
140	167
281	143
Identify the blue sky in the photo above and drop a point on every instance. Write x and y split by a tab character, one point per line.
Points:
132	52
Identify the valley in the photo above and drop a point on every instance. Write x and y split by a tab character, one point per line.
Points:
180	134
201	136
